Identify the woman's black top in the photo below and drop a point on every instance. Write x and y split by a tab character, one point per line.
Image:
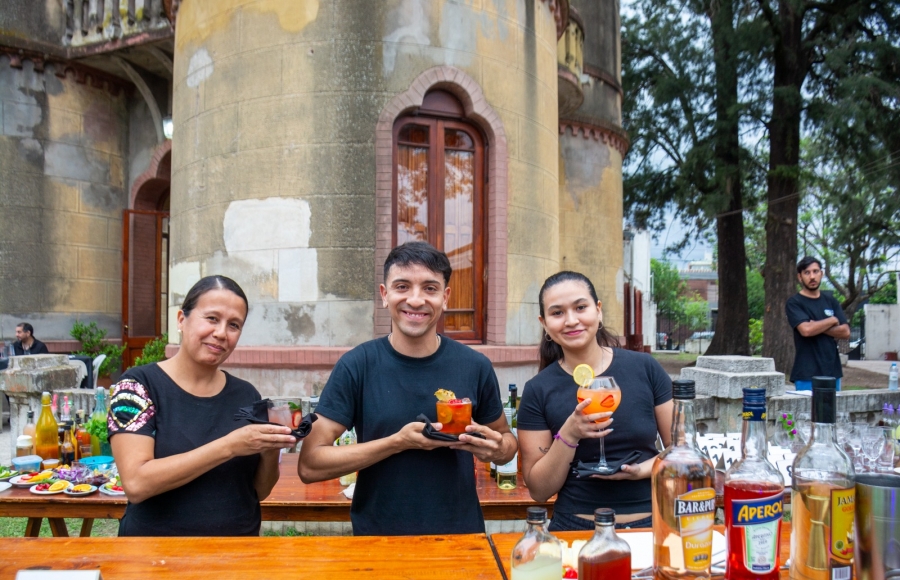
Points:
220	502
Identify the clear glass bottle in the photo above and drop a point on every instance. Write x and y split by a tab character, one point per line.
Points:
24	446
46	443
823	497
684	497
507	473
29	428
606	556
538	554
98	414
754	496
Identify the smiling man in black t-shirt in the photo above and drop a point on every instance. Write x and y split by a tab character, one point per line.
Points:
408	484
817	320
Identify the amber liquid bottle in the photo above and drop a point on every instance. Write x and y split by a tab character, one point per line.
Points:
606	556
46	443
823	497
684	497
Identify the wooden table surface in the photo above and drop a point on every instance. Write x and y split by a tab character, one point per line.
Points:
327	558
291	500
504	543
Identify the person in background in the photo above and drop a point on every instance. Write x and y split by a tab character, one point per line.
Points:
409	484
187	467
818	321
553	431
26	343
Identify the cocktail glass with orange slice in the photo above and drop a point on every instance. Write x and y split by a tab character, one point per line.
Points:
452	413
605	397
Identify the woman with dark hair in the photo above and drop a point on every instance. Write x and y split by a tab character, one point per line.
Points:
553	432
187	467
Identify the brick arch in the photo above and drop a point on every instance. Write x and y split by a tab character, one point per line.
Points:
479	112
150	185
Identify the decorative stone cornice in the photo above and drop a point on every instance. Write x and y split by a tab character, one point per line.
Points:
613	136
600	74
560	10
61	68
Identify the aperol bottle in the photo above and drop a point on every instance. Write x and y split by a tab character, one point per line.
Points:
754	495
606	556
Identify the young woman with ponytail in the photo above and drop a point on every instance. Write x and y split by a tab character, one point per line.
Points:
553	432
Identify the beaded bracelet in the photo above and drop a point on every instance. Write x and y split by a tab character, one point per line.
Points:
557	436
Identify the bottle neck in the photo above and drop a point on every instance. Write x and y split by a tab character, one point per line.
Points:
753	440
684	431
604	531
823	433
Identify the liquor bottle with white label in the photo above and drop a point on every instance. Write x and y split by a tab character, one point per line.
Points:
823	497
507	473
684	497
754	495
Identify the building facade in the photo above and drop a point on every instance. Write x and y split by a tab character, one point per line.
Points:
308	137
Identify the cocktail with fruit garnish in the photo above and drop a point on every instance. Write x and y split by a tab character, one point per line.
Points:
454	414
605	397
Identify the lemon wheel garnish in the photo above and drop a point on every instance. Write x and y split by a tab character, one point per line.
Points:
444	395
583	375
59	486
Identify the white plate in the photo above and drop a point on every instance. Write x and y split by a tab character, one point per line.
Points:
104	489
17	481
79	493
8	477
4	486
34	491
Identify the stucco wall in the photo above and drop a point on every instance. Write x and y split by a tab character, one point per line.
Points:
275	107
62	180
882	330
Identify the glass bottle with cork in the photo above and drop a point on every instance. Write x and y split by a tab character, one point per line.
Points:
684	497
46	442
606	556
538	554
507	473
754	494
823	496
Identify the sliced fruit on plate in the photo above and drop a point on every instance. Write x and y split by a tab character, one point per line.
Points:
59	486
81	488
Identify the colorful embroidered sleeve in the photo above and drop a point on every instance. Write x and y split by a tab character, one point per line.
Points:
131	410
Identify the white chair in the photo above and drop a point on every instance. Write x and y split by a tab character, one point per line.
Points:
97	362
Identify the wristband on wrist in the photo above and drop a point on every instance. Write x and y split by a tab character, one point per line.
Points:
558	436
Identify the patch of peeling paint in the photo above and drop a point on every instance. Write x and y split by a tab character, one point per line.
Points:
271	223
410	27
200	68
199	19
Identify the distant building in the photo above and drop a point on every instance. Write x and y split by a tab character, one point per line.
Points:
289	144
702	280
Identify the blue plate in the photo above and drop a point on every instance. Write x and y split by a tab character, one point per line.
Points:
98	461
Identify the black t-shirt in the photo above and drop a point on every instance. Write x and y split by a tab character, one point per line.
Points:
550	397
378	390
816	355
220	502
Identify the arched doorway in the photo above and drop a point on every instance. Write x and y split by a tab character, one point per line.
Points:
145	255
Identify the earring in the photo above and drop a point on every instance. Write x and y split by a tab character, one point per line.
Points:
548	338
601	326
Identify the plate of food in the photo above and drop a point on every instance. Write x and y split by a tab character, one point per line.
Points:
80	490
4	485
113	487
7	473
50	488
30	479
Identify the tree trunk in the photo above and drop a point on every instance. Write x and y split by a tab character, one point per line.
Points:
732	331
783	191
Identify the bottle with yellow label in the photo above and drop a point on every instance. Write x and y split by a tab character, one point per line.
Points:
684	497
823	497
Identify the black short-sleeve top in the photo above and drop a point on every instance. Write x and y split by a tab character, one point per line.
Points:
220	502
550	397
815	355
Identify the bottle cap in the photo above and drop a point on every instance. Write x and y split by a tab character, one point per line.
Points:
605	516
824	403
536	515
755	396
683	389
23	441
513	387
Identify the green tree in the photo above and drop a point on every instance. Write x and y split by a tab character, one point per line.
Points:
756	296
668	290
93	343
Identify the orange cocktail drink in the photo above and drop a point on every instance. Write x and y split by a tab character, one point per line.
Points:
602	401
454	415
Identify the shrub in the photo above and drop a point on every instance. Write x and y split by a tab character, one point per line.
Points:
154	351
93	344
756	336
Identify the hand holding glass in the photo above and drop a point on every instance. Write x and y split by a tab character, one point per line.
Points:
605	396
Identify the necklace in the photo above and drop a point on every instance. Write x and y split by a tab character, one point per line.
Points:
437	336
600	368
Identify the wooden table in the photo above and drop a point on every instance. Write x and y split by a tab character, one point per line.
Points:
337	558
504	543
291	500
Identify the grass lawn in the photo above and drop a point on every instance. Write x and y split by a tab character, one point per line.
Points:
15	528
676	356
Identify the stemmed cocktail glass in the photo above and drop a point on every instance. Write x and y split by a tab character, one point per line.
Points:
605	397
